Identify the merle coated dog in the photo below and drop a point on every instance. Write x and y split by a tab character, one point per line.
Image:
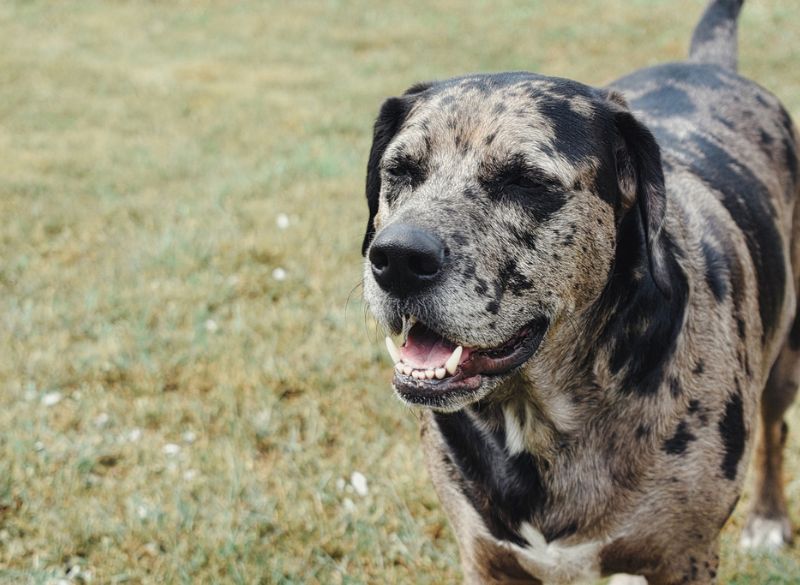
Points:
596	290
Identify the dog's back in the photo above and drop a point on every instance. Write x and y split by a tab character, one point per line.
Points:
730	153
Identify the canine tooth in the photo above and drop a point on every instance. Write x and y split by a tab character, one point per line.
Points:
440	373
394	353
452	362
407	370
398	367
429	374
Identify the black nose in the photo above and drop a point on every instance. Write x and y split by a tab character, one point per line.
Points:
405	259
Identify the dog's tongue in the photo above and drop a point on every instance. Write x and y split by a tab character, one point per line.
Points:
424	349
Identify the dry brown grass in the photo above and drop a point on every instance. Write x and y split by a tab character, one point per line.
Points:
172	412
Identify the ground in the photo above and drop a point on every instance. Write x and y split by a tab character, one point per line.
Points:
188	381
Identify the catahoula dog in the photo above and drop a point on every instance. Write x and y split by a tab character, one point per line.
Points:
596	291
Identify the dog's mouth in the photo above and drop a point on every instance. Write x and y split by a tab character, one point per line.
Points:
431	370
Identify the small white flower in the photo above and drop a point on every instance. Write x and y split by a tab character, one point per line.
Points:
348	504
189	474
279	274
135	435
282	220
38	446
141	511
359	483
171	449
51	398
340	483
101	420
233	280
189	437
211	326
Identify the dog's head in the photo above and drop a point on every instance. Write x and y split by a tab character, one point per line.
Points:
494	208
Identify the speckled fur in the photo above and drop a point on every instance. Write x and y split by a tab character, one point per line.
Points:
622	444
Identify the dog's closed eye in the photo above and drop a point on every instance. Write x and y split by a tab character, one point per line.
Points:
517	177
405	171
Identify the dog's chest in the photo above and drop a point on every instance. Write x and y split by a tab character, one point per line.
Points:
554	563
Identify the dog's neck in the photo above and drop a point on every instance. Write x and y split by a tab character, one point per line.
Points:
594	362
561	423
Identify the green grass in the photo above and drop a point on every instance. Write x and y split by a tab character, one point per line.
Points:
147	151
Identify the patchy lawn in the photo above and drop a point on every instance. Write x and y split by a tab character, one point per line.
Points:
187	377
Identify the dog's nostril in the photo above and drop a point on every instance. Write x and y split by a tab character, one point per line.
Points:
424	264
378	259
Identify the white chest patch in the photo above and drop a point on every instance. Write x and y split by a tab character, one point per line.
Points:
558	564
515	442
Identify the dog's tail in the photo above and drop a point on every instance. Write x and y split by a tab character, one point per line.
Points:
714	39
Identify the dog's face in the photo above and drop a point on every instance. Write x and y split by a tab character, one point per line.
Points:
495	202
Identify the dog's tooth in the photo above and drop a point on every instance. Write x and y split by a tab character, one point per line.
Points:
429	374
452	362
407	370
394	353
398	367
440	373
418	374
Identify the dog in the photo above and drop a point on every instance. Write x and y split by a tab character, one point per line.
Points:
596	290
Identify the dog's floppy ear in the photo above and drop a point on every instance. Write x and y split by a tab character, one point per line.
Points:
641	182
391	117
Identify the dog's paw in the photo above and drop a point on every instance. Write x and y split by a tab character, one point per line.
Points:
621	579
766	533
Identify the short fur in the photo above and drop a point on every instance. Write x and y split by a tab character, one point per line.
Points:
656	233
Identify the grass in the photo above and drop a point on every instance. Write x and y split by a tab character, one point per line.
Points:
170	410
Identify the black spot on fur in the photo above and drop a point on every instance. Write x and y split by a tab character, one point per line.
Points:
512	279
551	534
725	122
642	431
675	387
684	74
740	328
505	490
572	135
716	270
493	307
489	138
794	334
665	101
699	367
522	234
677	444
734	435
747	200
